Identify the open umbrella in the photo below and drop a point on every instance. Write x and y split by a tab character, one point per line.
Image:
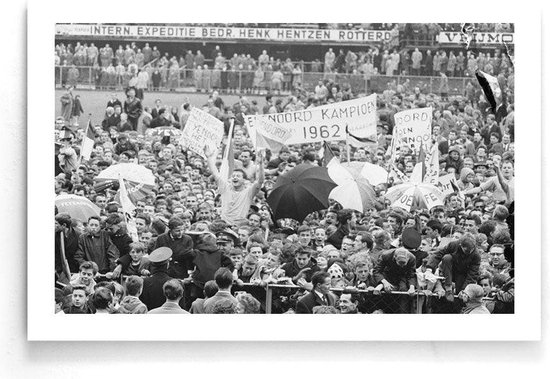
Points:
163	131
140	180
78	207
302	190
374	174
411	196
353	191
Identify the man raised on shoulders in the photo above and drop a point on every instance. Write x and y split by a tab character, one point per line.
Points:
236	196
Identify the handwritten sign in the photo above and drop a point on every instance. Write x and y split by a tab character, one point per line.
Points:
201	129
413	127
327	122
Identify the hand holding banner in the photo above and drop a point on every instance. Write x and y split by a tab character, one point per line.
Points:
200	130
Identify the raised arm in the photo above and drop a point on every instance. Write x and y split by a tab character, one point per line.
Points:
211	160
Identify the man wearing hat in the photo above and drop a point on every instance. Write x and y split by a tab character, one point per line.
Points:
208	257
472	297
411	239
68	159
153	294
227	239
181	246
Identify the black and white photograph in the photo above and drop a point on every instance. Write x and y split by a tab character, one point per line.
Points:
284	168
269	170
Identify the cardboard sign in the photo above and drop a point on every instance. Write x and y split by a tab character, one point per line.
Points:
413	128
201	129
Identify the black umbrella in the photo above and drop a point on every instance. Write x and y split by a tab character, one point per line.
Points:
301	191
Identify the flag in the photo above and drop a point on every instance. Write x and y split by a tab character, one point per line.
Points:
228	162
327	154
491	89
397	175
129	210
419	170
87	142
358	142
432	166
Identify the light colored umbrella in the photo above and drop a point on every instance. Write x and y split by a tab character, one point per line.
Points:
131	172
353	191
374	173
140	181
78	207
411	196
163	131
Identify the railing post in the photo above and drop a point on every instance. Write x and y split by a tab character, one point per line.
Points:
240	81
268	299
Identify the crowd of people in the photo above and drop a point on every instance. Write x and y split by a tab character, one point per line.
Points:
147	67
210	244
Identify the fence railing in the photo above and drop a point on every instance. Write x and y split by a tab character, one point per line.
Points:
279	298
248	82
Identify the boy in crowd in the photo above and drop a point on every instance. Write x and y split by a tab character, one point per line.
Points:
79	302
85	276
131	303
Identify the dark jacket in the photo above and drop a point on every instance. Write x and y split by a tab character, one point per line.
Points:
336	238
182	256
465	266
133	109
306	304
99	249
71	247
152	295
122	242
207	259
388	269
159	121
291	269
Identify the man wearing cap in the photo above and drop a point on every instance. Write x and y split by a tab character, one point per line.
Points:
459	264
181	246
153	294
236	196
411	239
207	259
472	297
68	159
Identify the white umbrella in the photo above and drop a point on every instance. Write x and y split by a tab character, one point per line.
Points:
410	196
353	190
374	173
129	171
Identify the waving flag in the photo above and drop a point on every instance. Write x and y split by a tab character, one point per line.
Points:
87	142
432	166
129	210
228	162
491	89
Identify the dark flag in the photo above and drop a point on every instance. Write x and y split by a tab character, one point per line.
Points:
491	89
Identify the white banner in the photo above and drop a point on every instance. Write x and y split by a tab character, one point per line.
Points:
325	123
201	129
448	184
223	33
413	128
480	38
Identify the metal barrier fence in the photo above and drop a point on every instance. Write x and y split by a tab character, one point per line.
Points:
246	82
279	298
